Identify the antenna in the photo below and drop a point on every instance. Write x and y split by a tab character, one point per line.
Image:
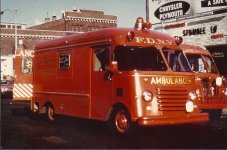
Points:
47	19
147	10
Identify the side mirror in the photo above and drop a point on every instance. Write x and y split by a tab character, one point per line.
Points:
113	68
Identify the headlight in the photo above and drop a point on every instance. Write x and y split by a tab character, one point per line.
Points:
218	81
192	95
147	95
189	106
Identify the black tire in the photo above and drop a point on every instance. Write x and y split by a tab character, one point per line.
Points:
50	113
33	116
119	122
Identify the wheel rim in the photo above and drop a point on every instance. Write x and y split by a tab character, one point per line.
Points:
50	113
121	121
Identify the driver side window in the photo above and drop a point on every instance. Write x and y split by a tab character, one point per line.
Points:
101	58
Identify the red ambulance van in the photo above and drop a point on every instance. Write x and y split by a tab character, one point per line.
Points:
118	75
214	90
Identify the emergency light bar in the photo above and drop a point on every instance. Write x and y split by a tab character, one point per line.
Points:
139	25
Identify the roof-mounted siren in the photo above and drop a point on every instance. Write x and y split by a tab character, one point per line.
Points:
140	24
178	40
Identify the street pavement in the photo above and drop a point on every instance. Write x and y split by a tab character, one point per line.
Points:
18	131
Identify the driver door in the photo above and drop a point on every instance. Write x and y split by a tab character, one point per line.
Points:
101	86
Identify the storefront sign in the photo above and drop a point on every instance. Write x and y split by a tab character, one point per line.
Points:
213	3
172	10
172	26
194	31
161	10
217	36
218	54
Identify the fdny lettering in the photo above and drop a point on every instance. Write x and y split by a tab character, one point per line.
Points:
170	81
153	41
25	53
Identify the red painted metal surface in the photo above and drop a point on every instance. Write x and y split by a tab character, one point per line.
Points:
73	86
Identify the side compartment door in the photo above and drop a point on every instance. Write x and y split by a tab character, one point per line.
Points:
101	86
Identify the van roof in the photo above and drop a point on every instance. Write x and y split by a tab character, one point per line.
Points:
114	35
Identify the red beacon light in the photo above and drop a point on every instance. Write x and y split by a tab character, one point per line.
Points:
147	25
178	40
139	25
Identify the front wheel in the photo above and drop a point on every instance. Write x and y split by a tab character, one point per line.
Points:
120	122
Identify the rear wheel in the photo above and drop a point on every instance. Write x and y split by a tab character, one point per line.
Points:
120	122
50	113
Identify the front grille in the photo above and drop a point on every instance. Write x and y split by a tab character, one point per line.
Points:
171	99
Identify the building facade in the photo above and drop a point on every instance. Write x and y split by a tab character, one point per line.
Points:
72	22
79	21
200	22
8	25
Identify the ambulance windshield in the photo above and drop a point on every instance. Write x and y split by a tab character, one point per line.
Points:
201	63
176	60
131	58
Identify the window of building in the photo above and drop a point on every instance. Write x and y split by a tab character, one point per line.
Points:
72	28
80	28
3	26
92	28
77	28
89	28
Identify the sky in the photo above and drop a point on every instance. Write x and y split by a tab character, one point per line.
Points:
33	12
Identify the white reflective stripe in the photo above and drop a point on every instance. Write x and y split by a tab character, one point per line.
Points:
15	94
17	91
23	90
28	88
30	85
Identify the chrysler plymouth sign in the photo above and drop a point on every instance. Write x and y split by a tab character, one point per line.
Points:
172	10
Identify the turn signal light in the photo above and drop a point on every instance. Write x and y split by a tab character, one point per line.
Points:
178	40
130	35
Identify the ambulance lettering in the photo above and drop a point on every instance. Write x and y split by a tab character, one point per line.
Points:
25	53
170	80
